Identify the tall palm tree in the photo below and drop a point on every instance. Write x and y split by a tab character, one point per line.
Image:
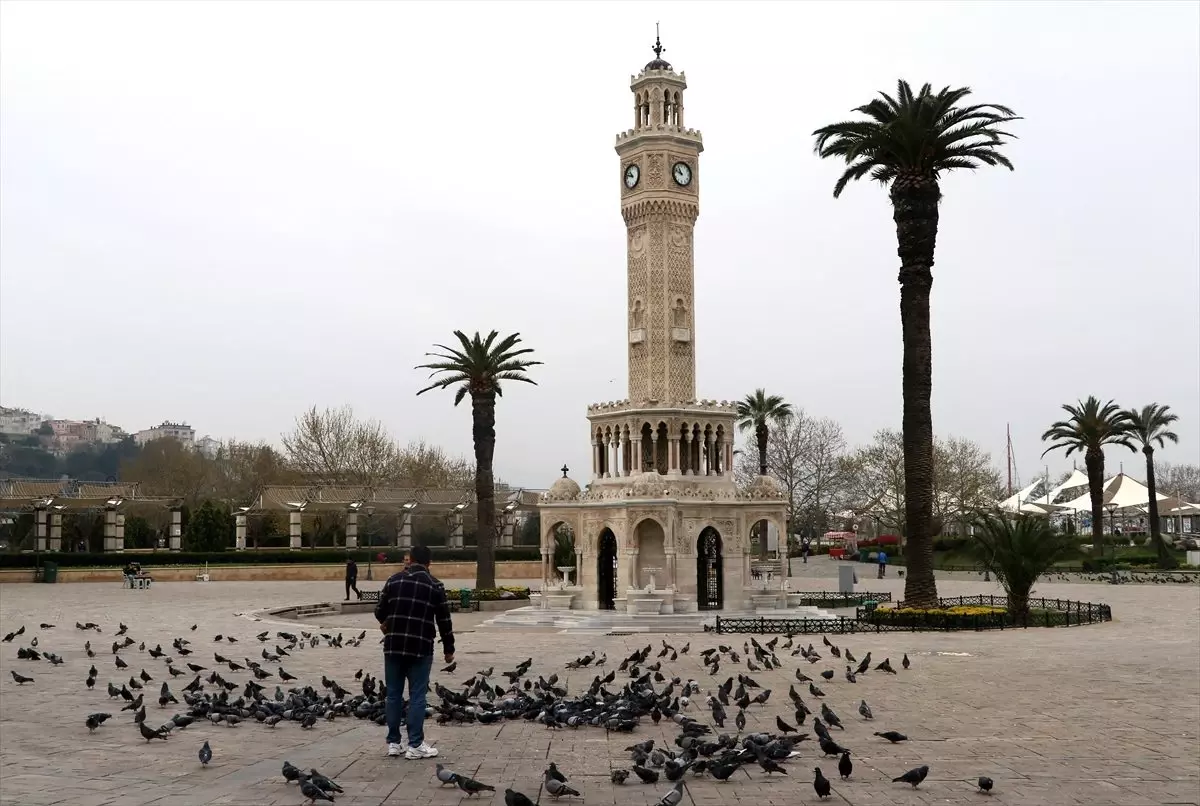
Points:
1091	426
479	365
757	411
907	143
1147	426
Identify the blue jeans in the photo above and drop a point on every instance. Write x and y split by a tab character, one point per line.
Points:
396	670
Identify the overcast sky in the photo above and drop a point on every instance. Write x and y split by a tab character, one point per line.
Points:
227	212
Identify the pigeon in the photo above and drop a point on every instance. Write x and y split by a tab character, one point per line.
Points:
514	798
205	754
291	772
554	772
557	788
816	692
445	776
120	663
914	776
647	775
313	792
619	776
673	796
21	679
93	721
845	766
886	666
449	669
148	733
865	711
851	676
827	674
326	784
471	786
821	784
830	717
906	662
985	783
784	727
892	736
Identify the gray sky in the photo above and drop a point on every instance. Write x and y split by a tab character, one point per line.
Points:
226	212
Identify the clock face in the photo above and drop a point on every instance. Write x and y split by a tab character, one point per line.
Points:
632	174
682	173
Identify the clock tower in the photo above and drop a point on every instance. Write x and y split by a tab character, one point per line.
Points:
660	200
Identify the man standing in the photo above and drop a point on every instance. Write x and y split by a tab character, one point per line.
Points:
411	604
351	578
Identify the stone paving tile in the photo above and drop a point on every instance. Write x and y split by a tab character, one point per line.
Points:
1106	714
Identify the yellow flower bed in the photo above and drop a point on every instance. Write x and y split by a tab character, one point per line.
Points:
960	610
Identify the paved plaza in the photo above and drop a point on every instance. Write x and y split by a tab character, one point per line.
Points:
1103	714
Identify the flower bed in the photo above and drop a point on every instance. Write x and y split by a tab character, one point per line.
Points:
986	613
511	593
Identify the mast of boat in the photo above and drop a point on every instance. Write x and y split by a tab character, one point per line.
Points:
1008	455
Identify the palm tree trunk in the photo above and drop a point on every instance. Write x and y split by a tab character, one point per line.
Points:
761	432
483	430
1165	558
1093	460
914	209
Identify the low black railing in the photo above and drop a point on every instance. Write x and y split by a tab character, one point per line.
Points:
1042	613
457	604
840	599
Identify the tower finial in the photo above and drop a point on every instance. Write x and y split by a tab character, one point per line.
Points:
658	47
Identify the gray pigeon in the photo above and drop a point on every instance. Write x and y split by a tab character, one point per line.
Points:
326	784
445	776
674	796
514	798
205	754
865	710
914	776
312	791
557	788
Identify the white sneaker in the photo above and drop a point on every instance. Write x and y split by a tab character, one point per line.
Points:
426	750
394	750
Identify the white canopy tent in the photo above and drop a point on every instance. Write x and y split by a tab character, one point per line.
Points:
1120	492
1019	501
1076	479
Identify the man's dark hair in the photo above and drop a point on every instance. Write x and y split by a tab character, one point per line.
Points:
421	555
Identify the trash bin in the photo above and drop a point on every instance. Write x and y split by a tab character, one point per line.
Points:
49	572
464	599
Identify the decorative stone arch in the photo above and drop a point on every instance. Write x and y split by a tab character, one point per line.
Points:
549	525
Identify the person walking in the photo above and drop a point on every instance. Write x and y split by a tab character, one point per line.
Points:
882	563
352	578
411	606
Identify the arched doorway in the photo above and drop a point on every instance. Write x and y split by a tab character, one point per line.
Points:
710	584
606	570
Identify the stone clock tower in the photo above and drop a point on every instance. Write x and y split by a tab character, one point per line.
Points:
661	523
660	200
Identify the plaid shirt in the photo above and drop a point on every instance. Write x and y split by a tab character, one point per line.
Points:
411	602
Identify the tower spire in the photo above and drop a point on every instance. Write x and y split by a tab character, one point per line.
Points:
658	46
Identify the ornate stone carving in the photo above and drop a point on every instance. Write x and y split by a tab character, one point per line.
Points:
658	314
656	173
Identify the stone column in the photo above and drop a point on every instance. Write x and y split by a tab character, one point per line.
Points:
40	516
685	454
110	530
545	565
56	531
405	533
295	530
578	566
456	531
595	459
616	455
635	464
634	582
606	450
351	530
727	462
119	535
673	454
654	451
708	455
239	530
175	530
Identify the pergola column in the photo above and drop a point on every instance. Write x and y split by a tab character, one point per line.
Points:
119	534
110	529
456	531
510	527
40	517
175	533
239	529
56	531
352	529
405	532
295	529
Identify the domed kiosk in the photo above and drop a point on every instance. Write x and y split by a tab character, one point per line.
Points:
661	527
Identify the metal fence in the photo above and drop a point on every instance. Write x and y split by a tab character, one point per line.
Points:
839	598
1042	613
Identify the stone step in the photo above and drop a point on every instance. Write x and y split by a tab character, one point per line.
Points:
316	610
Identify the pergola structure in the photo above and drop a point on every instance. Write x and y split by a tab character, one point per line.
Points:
404	502
50	499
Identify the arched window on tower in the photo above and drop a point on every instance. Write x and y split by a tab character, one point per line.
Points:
646	110
678	109
637	110
667	108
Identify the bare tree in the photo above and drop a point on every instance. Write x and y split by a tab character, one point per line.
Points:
335	447
166	467
876	482
807	456
429	466
1178	479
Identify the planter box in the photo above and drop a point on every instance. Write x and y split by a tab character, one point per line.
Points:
765	601
558	601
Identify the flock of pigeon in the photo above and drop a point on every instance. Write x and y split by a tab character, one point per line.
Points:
645	695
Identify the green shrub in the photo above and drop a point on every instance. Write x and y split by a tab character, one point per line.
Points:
488	594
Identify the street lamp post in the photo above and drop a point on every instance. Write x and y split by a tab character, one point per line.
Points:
1112	536
370	542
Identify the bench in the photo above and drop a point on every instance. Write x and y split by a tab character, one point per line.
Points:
136	583
368	596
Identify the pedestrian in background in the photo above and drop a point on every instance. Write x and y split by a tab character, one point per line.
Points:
352	578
